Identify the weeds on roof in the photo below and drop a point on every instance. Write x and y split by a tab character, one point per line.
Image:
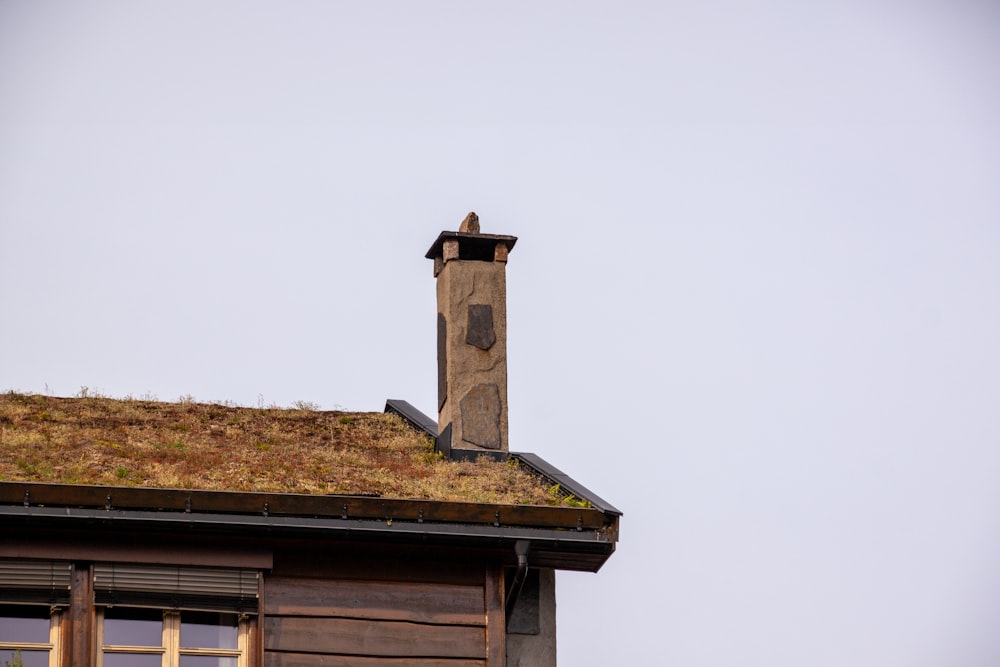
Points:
190	445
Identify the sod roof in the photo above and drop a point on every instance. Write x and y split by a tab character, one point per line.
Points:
189	445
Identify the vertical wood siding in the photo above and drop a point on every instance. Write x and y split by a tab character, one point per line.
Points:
496	635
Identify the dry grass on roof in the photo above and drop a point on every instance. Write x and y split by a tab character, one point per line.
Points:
103	441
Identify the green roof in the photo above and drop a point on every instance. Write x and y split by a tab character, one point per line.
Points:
205	446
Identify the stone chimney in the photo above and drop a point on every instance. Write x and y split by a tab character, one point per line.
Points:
470	268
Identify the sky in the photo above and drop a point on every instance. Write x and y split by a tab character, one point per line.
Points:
754	303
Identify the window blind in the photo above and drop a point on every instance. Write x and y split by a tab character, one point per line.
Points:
35	581
173	587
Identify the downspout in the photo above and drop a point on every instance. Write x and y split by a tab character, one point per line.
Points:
521	548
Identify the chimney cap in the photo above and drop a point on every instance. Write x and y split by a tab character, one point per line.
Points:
471	246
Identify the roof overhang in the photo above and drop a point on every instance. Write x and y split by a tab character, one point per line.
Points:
567	538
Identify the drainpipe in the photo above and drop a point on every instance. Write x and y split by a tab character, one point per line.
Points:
521	548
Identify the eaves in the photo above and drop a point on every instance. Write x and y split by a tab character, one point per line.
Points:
561	537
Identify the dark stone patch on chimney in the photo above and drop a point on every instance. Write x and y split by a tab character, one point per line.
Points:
442	360
480	329
481	416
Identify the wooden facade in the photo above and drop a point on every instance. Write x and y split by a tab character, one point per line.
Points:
329	591
175	577
382	611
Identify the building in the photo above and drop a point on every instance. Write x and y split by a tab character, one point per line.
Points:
138	533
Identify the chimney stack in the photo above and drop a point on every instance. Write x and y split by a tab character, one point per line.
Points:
470	268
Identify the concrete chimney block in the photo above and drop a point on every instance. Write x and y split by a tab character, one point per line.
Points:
472	336
500	252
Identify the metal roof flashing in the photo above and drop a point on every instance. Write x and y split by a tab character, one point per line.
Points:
534	463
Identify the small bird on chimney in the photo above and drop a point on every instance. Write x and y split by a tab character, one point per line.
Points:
471	224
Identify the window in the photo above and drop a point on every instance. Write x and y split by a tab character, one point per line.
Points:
131	637
156	616
144	615
30	632
33	594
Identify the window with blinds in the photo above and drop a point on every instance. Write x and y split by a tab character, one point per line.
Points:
42	582
177	587
33	594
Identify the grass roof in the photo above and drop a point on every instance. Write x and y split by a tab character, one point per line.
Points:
188	445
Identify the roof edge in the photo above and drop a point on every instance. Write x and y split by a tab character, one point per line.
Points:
242	503
412	416
541	467
537	465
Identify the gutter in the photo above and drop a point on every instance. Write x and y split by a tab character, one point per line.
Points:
250	503
566	538
562	549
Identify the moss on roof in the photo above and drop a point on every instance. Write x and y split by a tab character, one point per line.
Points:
111	442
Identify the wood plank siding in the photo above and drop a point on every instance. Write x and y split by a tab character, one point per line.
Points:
387	613
385	639
305	660
443	604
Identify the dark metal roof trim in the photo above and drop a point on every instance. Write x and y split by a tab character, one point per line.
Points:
442	443
535	463
412	416
240	503
562	549
565	482
476	454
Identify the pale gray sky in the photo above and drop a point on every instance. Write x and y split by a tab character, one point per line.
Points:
755	302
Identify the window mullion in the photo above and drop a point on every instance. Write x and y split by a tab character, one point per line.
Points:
99	621
242	643
171	638
55	628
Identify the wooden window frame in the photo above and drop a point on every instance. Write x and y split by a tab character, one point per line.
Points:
170	648
53	646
